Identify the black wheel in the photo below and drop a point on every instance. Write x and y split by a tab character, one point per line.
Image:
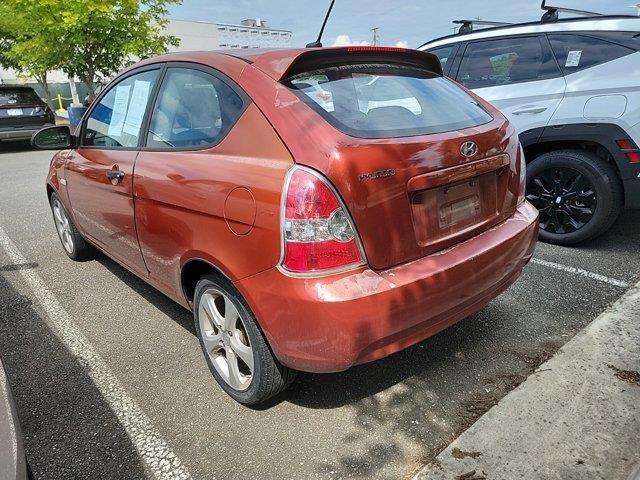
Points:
579	195
72	242
235	349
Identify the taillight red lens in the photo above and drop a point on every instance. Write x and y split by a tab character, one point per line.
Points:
634	156
369	48
308	197
315	256
317	230
625	144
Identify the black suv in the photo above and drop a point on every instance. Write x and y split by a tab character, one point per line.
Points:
22	112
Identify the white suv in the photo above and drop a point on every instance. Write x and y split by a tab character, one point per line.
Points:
572	89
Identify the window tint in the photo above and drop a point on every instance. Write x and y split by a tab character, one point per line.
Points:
577	52
193	108
628	39
444	54
117	119
505	61
387	100
10	96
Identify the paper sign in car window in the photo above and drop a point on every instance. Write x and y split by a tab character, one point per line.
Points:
137	106
119	110
573	58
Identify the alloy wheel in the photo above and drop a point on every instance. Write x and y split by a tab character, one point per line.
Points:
225	339
565	198
63	225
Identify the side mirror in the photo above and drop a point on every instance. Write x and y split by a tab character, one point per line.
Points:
53	138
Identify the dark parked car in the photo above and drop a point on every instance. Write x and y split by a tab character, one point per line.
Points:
22	113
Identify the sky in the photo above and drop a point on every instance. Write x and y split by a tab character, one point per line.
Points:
402	23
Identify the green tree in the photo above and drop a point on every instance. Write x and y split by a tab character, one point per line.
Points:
103	36
26	43
87	39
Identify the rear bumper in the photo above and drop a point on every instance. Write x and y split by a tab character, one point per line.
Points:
331	323
10	133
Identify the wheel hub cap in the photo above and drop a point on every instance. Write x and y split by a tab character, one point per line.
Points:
224	337
565	198
63	226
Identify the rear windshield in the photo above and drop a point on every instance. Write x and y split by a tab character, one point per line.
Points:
386	100
9	96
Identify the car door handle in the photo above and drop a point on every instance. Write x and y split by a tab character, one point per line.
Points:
115	174
530	109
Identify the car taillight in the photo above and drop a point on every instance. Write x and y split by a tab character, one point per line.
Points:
630	150
318	233
523	176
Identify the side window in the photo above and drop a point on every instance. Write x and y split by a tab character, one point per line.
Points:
444	54
577	52
505	61
193	109
116	120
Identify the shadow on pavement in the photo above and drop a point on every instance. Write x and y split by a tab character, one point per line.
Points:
621	237
179	314
404	408
69	431
22	146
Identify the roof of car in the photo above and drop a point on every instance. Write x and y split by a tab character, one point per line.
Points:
602	23
277	62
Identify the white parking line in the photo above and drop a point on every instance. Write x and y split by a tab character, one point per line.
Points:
154	451
584	273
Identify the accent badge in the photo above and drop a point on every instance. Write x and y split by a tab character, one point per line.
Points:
469	149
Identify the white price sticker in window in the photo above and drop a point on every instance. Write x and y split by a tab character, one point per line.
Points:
573	58
137	106
119	110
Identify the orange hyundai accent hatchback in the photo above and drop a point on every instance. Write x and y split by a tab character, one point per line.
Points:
314	208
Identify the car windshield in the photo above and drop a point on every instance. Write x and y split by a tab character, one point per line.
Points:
18	95
386	100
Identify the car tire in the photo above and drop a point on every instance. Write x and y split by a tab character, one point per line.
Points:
573	188
73	244
227	330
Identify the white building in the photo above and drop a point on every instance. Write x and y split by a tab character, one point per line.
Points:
252	33
193	35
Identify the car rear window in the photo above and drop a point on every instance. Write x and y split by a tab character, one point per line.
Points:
387	100
18	95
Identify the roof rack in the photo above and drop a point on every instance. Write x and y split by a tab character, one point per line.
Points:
531	24
466	26
551	13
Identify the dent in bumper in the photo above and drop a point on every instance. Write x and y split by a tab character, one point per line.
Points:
331	323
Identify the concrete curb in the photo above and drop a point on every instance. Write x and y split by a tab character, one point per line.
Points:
576	417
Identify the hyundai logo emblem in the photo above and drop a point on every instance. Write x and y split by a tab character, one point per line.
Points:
469	149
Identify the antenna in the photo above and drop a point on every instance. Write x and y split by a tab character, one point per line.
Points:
551	13
375	35
467	25
318	42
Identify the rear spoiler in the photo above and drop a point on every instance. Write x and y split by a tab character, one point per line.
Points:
280	64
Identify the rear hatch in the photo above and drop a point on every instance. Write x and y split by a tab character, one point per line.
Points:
420	163
21	107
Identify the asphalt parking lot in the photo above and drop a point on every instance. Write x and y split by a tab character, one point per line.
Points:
380	420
